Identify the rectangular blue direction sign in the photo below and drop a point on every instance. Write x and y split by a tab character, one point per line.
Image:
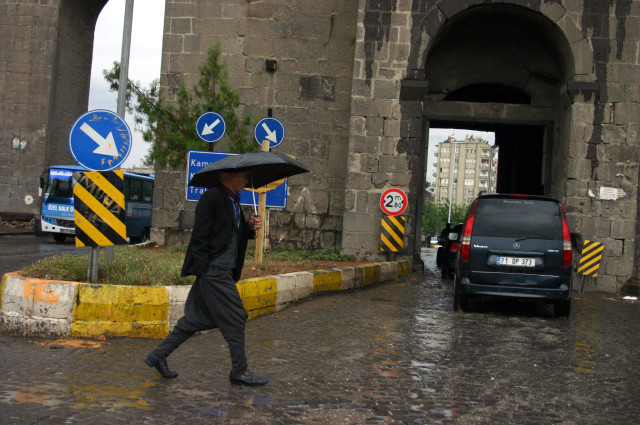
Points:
197	160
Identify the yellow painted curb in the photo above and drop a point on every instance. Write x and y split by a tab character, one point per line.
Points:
404	268
372	273
53	308
326	280
259	295
114	310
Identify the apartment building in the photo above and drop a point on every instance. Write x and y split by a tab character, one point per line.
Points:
464	168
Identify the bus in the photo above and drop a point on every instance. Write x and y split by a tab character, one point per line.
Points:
57	210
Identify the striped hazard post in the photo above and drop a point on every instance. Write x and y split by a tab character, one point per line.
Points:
392	233
99	209
590	260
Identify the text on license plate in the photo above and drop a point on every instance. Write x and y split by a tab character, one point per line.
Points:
516	261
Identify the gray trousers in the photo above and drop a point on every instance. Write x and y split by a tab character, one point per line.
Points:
213	302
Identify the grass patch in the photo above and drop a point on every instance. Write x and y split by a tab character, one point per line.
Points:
160	266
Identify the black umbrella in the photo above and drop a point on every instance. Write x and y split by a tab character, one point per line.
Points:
265	167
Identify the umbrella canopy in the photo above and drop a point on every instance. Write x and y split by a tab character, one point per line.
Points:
265	167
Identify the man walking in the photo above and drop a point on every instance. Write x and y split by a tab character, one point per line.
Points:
215	255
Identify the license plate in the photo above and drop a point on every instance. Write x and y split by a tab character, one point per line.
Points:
68	231
516	261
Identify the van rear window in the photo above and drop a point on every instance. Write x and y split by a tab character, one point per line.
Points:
517	218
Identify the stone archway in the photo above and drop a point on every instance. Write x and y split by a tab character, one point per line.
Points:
504	68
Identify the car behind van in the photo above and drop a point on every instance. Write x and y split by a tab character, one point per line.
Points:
516	246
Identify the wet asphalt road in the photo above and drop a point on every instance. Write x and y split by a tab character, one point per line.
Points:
18	251
390	354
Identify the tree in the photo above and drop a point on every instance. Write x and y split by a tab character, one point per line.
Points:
431	221
434	217
458	213
170	128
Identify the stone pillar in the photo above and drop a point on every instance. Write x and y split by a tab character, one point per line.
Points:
44	80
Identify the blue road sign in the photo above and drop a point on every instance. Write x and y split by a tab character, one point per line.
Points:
197	160
100	140
269	129
210	127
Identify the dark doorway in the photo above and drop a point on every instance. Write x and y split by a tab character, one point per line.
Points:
520	159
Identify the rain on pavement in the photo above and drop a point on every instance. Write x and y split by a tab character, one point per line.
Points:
393	353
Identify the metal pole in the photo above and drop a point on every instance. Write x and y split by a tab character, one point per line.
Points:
92	269
124	58
453	163
124	80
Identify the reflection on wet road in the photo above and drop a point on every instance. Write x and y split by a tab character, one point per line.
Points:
390	354
18	251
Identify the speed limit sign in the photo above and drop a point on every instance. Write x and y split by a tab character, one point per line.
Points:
393	201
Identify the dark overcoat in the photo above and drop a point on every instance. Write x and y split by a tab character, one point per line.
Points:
212	232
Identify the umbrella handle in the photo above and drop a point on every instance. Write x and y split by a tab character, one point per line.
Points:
253	192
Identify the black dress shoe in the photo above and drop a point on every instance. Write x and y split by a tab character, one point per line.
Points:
161	365
246	378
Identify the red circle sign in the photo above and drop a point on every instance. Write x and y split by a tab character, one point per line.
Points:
393	201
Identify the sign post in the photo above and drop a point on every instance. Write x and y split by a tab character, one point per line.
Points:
269	133
393	202
99	140
262	209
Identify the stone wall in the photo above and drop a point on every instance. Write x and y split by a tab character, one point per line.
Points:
44	85
355	71
309	92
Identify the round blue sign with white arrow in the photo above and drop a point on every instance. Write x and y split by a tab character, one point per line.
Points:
269	129
100	140
210	127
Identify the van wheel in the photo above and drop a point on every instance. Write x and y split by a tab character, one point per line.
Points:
562	308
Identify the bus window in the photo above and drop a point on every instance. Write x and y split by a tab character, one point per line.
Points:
135	189
59	184
147	190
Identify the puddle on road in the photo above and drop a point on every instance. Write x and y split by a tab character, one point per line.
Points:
43	395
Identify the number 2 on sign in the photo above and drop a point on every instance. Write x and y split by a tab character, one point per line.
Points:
394	202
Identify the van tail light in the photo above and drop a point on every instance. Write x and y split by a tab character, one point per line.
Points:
465	243
566	238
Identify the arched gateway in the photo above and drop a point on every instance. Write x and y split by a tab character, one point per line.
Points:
358	84
548	85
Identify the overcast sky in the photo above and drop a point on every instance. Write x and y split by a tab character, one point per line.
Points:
144	67
144	60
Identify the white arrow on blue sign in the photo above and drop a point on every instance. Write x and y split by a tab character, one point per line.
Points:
210	127
100	140
269	129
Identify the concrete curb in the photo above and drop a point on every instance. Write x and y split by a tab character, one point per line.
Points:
36	307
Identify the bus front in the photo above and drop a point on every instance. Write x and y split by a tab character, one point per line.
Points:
57	213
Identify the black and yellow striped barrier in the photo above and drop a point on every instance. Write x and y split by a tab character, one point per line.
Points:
392	233
590	260
99	209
